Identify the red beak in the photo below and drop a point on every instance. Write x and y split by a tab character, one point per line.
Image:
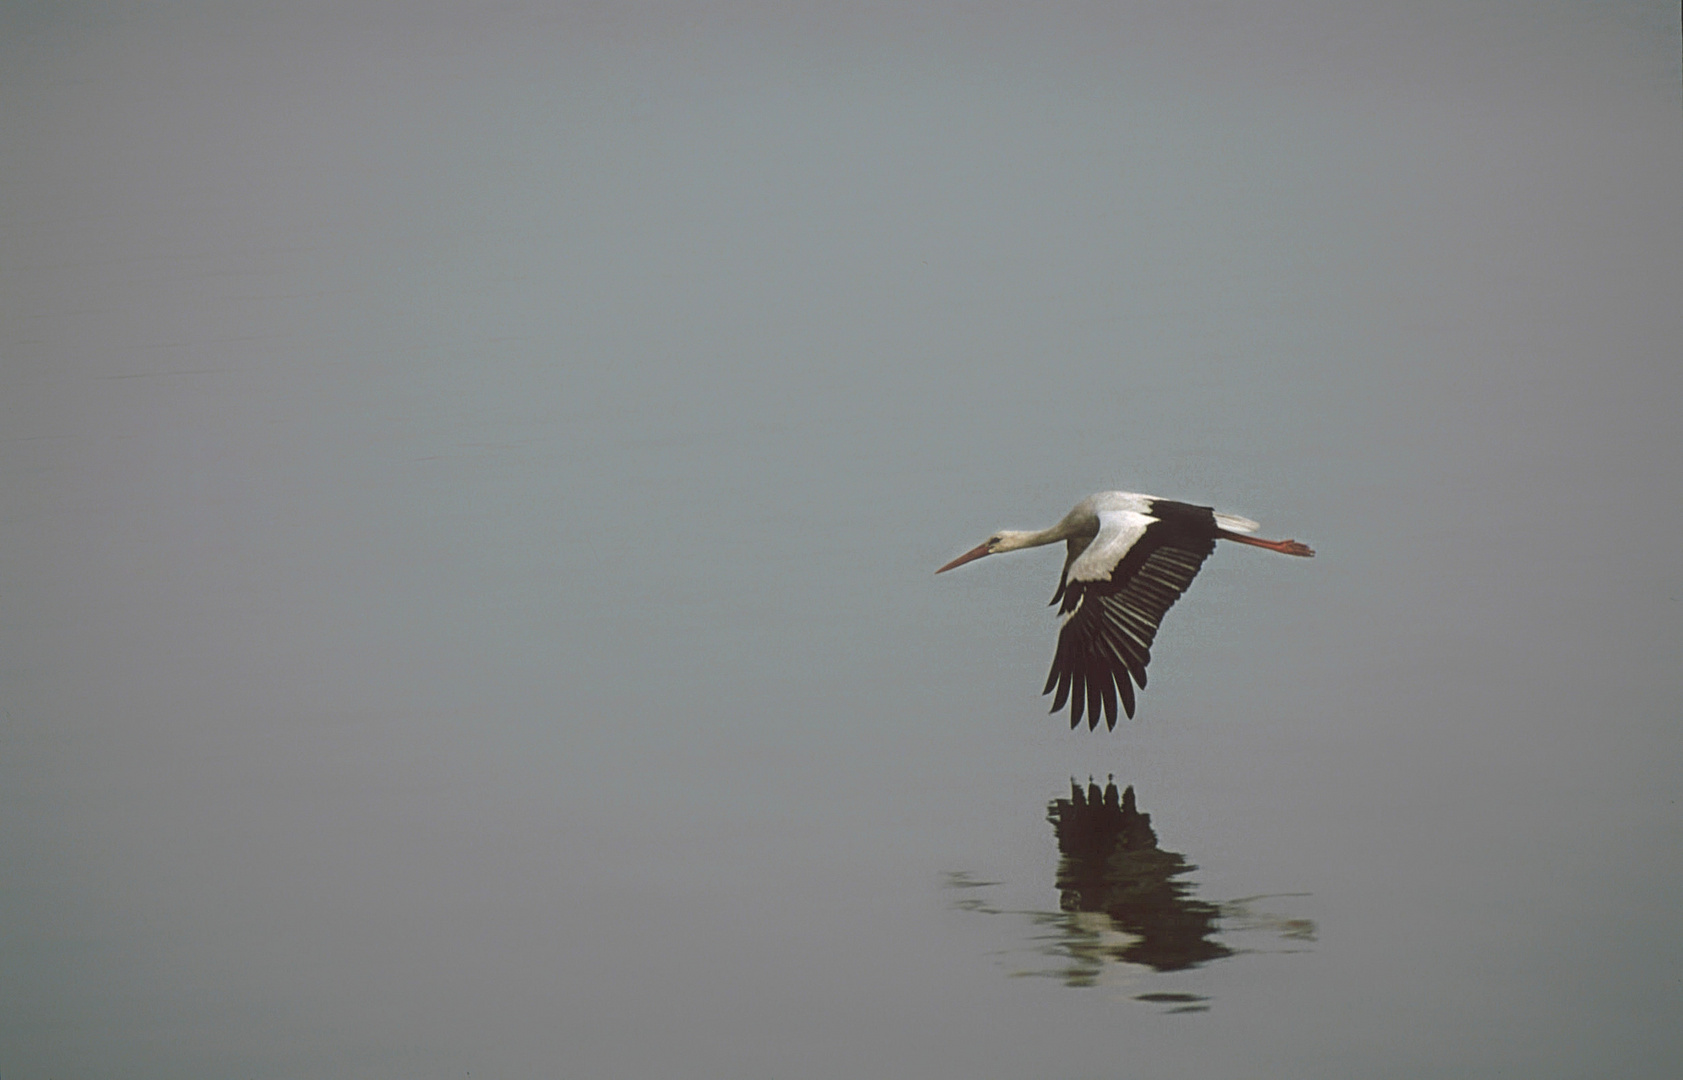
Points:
968	556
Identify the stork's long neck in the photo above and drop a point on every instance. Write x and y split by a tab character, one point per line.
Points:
1072	525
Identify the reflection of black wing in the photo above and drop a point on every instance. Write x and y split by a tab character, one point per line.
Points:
1111	864
1111	619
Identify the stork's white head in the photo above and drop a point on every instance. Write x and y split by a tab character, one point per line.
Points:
1003	540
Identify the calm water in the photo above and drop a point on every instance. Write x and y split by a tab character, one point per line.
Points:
471	476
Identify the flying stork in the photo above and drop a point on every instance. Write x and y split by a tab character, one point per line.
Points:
1130	558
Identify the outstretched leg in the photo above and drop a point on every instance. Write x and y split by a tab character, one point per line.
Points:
1284	547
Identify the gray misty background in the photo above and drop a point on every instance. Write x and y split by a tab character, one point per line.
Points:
470	476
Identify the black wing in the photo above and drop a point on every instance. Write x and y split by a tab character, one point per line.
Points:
1111	623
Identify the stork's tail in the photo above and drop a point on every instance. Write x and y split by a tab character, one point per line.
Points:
1235	523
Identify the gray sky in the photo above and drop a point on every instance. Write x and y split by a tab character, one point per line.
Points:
470	477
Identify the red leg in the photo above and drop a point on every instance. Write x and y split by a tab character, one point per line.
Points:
1284	547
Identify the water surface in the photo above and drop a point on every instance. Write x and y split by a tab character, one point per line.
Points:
470	481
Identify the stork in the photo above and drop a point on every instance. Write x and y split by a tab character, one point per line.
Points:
1130	558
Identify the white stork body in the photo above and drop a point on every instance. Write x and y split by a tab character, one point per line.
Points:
1130	558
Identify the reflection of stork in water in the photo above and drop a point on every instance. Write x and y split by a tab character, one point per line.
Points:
1112	868
1124	901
